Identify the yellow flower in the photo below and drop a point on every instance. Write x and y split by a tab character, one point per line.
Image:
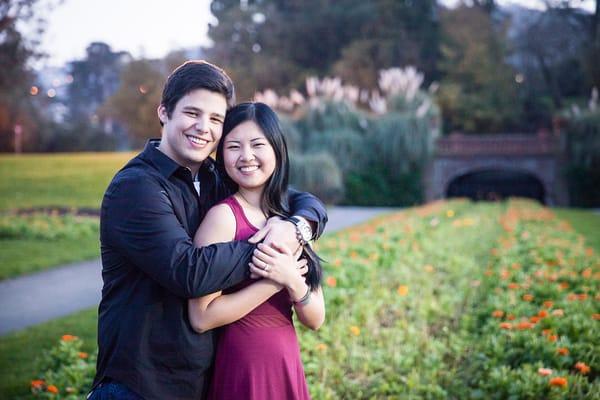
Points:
355	330
450	213
402	290
321	347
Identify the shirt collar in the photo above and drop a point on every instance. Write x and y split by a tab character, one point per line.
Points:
163	163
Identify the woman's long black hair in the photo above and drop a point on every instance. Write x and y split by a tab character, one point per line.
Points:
274	201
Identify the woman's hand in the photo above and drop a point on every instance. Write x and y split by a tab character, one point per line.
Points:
277	263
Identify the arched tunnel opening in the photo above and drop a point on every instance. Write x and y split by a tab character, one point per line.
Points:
493	185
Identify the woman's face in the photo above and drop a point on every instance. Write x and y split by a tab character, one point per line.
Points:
248	156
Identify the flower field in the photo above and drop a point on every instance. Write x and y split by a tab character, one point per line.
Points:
452	300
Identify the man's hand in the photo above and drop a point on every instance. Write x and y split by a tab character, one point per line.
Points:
278	263
279	230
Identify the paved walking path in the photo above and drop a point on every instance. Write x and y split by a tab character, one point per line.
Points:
40	297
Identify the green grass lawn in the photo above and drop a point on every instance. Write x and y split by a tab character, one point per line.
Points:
52	180
24	256
67	180
20	351
585	222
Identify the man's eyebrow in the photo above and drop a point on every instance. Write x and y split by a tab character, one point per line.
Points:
198	110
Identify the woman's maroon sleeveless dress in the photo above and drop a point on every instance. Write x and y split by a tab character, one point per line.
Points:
258	356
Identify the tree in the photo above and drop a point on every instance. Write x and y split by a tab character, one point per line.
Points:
276	43
16	78
478	91
134	104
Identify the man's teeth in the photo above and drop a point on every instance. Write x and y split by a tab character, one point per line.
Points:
249	168
196	140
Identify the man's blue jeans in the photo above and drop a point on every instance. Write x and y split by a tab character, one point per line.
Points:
113	391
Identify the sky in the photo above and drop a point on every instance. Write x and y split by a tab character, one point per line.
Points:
149	28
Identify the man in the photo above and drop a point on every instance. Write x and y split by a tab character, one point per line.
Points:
150	212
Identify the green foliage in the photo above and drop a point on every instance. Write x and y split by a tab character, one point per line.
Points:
46	227
583	150
409	300
317	173
383	187
381	158
22	353
477	94
67	372
535	310
353	39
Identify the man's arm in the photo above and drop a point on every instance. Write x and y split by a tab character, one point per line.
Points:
309	207
139	222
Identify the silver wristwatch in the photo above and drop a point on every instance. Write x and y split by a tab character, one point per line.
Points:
303	229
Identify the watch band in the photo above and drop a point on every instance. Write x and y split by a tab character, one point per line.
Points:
303	229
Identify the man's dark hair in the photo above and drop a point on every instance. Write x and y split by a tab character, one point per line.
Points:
192	75
275	194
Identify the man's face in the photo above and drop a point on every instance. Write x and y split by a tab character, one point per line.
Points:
194	129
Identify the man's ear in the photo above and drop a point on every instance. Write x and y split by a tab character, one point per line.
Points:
162	114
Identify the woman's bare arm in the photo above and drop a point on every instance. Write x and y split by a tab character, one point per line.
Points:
216	309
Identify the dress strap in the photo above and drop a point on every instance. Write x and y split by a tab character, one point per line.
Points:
243	227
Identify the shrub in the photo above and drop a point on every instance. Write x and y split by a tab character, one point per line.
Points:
583	150
66	373
317	173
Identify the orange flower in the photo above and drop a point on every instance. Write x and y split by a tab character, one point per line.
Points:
563	285
528	297
545	371
331	281
337	262
510	317
552	338
587	273
353	254
513	285
52	389
543	314
505	325
524	325
37	383
534	320
546	332
355	330
498	314
321	347
516	266
558	381
82	355
68	338
582	367
563	351
589	252
596	317
402	290
548	304
572	297
582	296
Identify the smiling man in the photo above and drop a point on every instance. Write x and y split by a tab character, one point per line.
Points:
151	210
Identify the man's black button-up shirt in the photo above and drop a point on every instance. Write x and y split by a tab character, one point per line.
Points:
150	268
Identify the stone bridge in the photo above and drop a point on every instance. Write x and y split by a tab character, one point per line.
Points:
493	167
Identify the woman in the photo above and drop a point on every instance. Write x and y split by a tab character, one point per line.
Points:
258	355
